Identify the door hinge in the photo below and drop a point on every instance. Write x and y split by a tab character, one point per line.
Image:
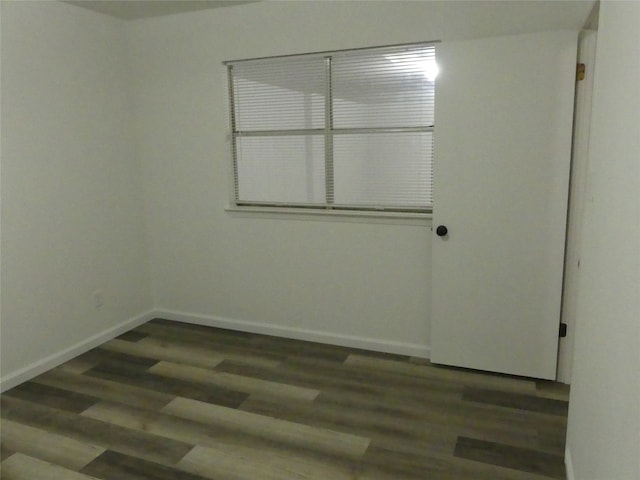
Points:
581	71
563	330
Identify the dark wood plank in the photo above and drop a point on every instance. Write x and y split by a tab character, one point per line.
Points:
158	383
52	397
112	437
101	356
551	438
451	375
5	453
239	383
237	348
333	441
523	459
515	400
391	463
132	336
105	389
442	414
116	466
221	341
220	435
298	377
48	446
24	467
400	435
183	332
239	463
336	377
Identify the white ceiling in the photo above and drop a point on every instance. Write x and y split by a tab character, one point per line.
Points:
133	9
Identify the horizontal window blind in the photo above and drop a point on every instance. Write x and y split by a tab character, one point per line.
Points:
367	172
279	94
338	130
383	88
273	169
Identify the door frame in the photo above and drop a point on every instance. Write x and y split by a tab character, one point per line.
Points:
578	191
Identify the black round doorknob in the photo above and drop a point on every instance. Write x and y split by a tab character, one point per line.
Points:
441	231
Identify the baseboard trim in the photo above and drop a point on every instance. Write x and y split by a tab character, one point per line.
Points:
400	348
30	371
568	463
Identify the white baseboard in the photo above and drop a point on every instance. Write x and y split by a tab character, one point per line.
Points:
30	371
568	464
387	346
26	373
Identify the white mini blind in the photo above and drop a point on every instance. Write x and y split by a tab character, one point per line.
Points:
338	130
384	88
279	94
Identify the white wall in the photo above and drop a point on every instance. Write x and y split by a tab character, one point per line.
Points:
367	279
603	439
72	216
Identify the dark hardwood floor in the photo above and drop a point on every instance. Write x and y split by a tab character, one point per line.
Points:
176	401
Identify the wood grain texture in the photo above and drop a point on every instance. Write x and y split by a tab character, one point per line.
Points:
170	400
241	463
315	438
5	453
131	336
196	340
512	457
468	377
104	389
254	448
238	383
24	467
82	429
53	397
116	466
143	378
517	401
47	446
159	350
77	365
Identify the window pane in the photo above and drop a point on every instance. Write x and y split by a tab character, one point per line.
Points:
281	169
383	169
279	94
384	88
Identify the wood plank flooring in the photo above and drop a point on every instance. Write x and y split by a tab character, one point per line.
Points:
177	401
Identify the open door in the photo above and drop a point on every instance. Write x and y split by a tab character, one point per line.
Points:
504	112
577	194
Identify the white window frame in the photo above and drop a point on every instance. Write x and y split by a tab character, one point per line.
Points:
329	207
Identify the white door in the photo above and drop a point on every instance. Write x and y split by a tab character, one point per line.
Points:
577	193
504	111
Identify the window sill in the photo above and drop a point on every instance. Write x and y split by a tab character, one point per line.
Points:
397	218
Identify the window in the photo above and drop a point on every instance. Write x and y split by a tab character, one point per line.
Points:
345	130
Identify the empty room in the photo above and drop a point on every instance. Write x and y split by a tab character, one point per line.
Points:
367	240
